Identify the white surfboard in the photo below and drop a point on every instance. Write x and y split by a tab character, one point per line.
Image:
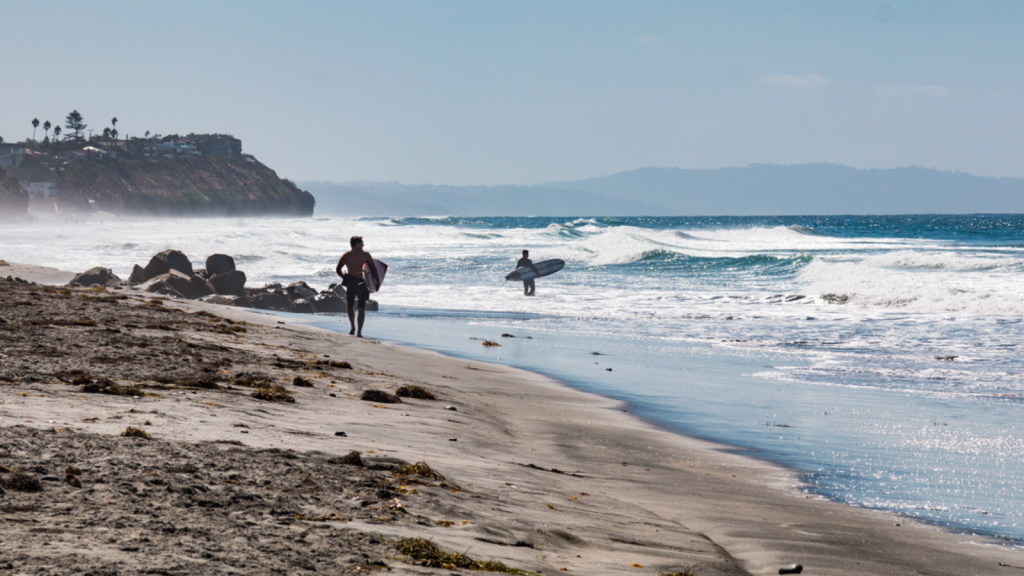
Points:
545	268
371	280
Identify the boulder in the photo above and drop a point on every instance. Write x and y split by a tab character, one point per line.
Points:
271	286
303	306
337	289
202	273
329	302
138	275
300	289
219	264
97	276
166	261
240	301
269	301
372	306
162	284
229	283
190	287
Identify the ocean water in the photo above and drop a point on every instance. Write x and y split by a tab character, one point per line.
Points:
881	357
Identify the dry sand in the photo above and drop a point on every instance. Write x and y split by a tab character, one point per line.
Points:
535	475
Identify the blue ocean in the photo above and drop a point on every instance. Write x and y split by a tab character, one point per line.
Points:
878	356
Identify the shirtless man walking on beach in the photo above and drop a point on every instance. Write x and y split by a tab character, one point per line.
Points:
354	283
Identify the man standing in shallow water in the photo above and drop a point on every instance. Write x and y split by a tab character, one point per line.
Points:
528	286
354	283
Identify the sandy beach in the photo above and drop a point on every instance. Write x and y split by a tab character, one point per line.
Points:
248	463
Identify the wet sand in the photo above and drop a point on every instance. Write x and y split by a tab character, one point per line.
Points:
525	471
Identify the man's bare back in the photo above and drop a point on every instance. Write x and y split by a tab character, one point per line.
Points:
353	261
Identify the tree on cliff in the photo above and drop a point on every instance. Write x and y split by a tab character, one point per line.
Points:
46	130
75	123
35	124
113	126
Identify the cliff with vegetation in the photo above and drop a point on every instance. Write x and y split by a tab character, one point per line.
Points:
13	199
161	177
201	185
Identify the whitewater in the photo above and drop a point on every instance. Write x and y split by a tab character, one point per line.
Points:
880	357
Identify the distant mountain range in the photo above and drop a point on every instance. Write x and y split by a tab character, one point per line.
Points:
756	190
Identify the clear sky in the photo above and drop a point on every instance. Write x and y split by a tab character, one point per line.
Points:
521	92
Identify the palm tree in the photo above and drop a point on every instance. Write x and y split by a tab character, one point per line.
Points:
56	132
35	124
113	125
113	134
46	129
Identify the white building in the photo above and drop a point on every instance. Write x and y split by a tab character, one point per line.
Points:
40	190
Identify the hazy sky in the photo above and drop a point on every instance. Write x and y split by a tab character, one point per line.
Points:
523	92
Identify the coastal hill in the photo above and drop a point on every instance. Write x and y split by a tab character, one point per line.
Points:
200	174
756	190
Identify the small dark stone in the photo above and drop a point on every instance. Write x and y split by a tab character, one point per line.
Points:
342	434
791	569
351	459
50	478
608	369
97	276
302	382
333	395
452	408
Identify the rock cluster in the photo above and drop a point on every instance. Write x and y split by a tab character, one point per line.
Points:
170	273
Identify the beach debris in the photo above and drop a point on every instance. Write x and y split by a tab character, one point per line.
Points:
107	386
252	379
273	393
413	391
635	565
553	470
21	483
343	365
791	569
453	439
342	434
430	555
380	396
508	336
946	358
132	432
302	382
608	369
5	470
490	344
452	408
333	395
49	478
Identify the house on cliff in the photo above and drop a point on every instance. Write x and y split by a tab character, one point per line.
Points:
11	155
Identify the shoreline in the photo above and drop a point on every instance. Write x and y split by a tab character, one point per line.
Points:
653	498
801	482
